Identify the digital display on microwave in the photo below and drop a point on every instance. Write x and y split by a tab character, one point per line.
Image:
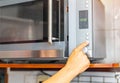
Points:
83	19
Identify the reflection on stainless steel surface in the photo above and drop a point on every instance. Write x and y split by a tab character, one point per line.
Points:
21	22
49	53
19	30
32	54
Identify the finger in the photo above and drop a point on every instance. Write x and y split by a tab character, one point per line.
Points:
81	53
81	46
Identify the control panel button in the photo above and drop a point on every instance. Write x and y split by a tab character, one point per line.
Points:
87	34
85	50
89	53
88	42
87	38
86	6
86	1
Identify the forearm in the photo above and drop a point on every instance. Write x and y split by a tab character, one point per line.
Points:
65	75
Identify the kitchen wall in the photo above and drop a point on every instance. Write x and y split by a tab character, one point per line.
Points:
112	8
86	77
110	38
97	77
116	28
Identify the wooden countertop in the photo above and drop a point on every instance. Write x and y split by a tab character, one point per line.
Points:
54	66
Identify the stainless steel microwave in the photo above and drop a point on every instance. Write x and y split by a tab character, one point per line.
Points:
42	29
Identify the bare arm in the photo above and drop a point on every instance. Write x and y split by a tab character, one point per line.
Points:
76	64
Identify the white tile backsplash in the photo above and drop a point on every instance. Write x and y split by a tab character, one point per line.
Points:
116	14
108	79
86	77
100	74
30	79
112	9
117	46
97	77
108	15
22	76
110	47
16	78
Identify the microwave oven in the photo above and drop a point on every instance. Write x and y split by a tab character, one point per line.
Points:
89	20
40	30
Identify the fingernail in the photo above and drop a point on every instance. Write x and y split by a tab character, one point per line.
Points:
87	42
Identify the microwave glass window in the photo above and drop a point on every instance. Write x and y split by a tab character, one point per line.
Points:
28	21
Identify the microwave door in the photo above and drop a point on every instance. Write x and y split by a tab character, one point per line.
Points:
32	21
40	22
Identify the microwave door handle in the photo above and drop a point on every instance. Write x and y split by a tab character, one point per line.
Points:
59	20
50	21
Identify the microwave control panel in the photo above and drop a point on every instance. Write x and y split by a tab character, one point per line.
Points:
84	24
91	27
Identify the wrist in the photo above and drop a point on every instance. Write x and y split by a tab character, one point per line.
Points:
70	71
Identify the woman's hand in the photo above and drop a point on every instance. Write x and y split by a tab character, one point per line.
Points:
78	61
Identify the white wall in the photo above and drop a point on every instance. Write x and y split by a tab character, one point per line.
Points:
96	77
86	77
112	8
23	76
